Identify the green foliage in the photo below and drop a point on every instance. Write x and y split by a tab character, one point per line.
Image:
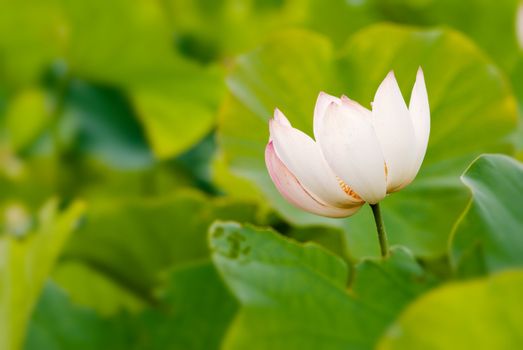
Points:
101	123
136	55
28	105
91	288
58	325
488	237
25	263
480	314
165	89
150	235
295	296
153	116
194	301
472	17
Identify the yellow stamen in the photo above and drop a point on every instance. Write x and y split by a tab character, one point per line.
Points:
347	189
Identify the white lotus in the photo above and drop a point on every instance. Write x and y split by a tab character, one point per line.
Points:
358	155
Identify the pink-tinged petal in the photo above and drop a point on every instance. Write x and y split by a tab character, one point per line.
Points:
352	150
291	189
322	103
395	132
304	159
420	115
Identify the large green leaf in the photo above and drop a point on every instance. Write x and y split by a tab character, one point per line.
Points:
466	119
92	289
331	238
59	324
213	30
294	296
208	31
479	314
192	313
196	311
151	235
25	118
175	98
472	17
489	235
25	263
29	39
103	125
391	284
339	18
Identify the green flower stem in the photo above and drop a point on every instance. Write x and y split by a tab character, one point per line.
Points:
380	227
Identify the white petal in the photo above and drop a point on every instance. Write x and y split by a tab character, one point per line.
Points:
322	103
291	189
420	115
351	148
357	106
395	133
281	118
303	157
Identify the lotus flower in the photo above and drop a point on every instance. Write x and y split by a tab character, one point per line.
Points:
358	155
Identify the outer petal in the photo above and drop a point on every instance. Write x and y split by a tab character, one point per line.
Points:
281	118
304	159
420	115
291	189
322	103
395	132
352	150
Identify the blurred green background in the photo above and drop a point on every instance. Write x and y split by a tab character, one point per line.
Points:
135	203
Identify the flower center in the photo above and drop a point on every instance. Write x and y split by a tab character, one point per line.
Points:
347	189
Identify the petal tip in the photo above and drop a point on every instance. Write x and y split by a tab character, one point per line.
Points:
332	106
345	98
389	83
280	118
419	73
273	124
324	97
